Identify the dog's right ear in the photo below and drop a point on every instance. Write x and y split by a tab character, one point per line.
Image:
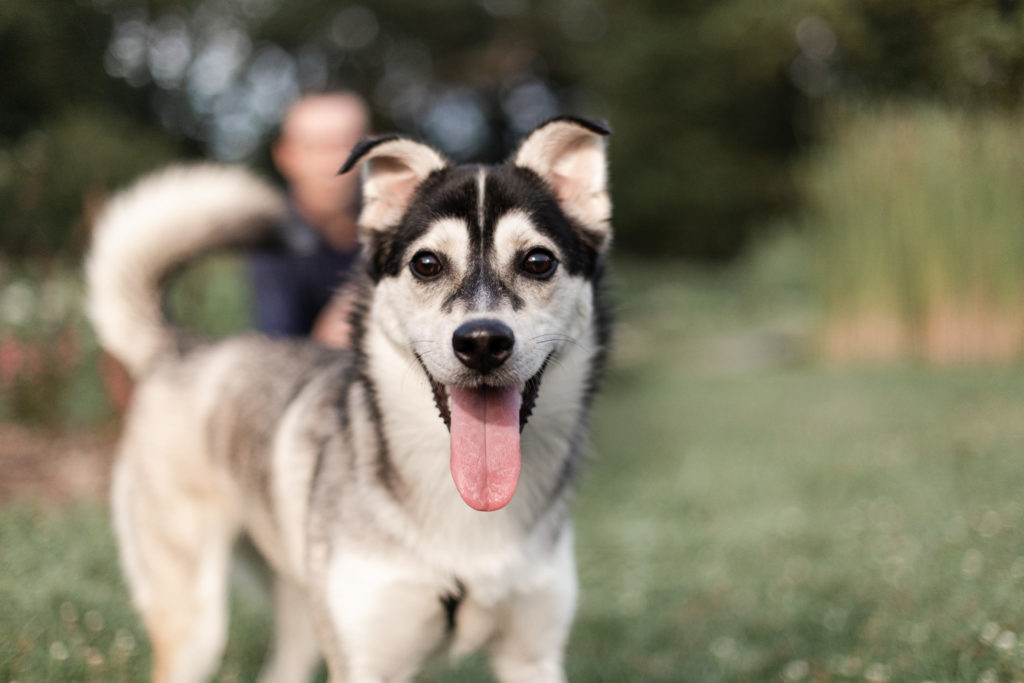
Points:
393	167
569	154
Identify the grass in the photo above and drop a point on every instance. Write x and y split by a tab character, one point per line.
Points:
748	515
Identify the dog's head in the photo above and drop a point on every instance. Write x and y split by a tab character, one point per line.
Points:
484	274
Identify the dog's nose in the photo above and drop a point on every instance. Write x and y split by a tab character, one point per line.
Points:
483	345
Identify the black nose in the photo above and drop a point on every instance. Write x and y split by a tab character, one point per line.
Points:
483	345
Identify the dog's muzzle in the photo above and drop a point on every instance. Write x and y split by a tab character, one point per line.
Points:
485	420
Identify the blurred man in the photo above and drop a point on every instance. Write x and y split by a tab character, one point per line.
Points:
294	280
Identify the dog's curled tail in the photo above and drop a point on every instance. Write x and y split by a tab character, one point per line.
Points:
153	227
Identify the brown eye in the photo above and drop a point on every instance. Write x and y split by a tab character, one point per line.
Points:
539	263
426	265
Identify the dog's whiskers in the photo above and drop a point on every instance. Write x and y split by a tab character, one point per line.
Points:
554	338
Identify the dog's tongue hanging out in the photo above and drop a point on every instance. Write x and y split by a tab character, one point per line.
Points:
485	444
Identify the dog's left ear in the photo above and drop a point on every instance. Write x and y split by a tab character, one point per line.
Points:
569	153
393	167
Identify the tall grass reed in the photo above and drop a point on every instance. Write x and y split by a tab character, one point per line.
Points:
917	222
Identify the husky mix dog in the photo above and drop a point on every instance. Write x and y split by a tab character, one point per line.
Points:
410	493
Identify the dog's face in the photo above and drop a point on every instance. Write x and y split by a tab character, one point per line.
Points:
484	274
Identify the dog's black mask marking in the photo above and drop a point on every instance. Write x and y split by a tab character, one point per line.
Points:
453	192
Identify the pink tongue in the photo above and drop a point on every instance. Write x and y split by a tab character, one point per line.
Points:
485	444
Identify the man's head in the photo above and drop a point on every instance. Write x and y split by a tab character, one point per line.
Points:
317	134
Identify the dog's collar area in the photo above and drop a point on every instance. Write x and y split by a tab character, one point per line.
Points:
529	399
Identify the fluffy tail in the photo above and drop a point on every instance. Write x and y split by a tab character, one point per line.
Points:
152	228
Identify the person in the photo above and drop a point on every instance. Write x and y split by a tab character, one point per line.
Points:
296	277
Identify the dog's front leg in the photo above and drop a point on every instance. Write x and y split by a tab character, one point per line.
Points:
534	624
386	620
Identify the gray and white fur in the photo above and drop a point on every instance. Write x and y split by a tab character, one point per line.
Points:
480	282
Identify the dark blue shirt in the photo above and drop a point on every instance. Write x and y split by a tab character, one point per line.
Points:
295	277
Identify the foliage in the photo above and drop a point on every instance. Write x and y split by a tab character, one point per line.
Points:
68	132
916	214
55	178
211	298
48	354
51	366
710	100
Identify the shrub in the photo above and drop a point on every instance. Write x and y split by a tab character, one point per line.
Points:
52	371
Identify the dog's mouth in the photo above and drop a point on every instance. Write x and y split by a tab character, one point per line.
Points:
527	392
485	423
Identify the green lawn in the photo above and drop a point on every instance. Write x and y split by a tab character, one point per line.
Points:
748	515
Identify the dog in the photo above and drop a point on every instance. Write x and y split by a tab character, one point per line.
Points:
411	493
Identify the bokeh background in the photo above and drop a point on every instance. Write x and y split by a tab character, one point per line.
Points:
809	453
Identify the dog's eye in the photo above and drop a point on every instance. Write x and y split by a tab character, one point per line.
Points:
539	263
426	265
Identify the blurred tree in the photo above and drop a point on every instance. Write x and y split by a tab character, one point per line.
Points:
703	115
68	132
710	99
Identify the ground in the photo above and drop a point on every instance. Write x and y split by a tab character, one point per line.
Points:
749	514
53	467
